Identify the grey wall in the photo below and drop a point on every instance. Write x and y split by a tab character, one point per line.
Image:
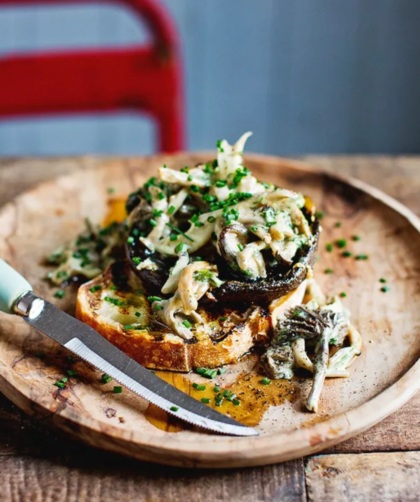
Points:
336	76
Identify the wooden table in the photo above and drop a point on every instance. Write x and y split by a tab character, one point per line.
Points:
40	464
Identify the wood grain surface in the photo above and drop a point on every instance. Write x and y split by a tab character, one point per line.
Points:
29	447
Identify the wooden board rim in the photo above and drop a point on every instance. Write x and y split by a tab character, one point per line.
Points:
261	450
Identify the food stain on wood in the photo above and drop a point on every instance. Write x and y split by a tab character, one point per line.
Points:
254	397
116	211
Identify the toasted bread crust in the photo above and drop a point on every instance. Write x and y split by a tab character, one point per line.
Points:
163	350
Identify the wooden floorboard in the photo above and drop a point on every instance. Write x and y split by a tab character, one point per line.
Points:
110	478
367	477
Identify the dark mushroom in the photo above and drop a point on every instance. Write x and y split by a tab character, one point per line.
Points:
275	286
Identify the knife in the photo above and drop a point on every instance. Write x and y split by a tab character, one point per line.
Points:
16	297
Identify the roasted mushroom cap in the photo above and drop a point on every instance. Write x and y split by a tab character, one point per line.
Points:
281	277
266	290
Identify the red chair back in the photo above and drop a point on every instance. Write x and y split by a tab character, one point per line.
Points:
146	78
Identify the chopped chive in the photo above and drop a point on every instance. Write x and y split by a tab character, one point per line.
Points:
382	280
384	289
64	379
194	188
154	299
152	222
221	183
222	319
341	243
174	408
232	397
226	393
117	389
161	196
71	373
187	323
319	215
158	307
171	210
111	190
205	400
60	384
221	371
356	238
199	387
329	247
60	294
180	247
328	271
173	237
190	178
346	254
136	260
343	294
338	224
178	231
362	257
130	240
96	288
128	327
236	402
266	381
206	372
211	219
137	314
216	388
105	378
113	288
240	247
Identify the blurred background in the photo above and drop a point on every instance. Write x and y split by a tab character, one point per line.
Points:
306	76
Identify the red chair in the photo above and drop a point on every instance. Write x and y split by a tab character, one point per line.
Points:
147	78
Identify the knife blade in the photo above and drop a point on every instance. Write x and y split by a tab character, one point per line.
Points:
90	346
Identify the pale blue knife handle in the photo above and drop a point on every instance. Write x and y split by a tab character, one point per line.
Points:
12	285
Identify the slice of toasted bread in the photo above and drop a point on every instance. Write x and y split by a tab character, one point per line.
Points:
115	300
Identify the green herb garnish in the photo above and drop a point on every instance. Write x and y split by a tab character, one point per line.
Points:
105	378
117	389
266	381
178	231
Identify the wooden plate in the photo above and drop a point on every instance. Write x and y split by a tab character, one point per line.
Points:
382	379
